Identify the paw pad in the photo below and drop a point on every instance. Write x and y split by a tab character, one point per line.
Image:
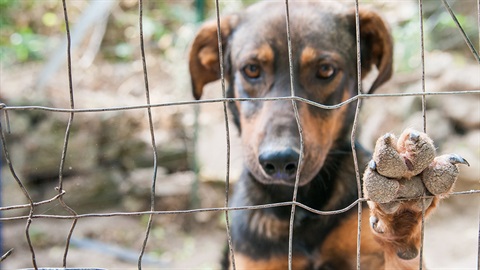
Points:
441	174
407	168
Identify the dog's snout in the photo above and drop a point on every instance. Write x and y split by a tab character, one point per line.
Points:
280	165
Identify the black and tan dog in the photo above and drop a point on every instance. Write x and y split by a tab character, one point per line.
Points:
323	39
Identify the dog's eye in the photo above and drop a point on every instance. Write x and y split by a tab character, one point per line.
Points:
252	71
326	71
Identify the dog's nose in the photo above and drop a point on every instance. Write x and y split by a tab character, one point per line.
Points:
280	164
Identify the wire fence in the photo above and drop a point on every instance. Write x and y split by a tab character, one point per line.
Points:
148	106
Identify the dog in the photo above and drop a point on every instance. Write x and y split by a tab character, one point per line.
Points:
324	65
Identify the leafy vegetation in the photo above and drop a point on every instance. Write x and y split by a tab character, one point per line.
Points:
31	29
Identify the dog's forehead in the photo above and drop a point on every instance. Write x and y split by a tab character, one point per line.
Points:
320	25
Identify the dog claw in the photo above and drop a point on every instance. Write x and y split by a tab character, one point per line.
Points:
373	222
456	159
372	165
388	136
414	136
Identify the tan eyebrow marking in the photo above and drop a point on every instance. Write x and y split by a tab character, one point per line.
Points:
265	54
308	55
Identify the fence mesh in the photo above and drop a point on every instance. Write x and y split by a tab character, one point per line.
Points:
74	217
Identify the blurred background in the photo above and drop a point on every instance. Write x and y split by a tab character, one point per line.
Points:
109	163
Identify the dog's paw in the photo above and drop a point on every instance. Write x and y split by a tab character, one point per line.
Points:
406	168
402	171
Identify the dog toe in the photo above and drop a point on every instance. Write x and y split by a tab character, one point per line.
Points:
440	176
389	162
408	253
411	188
379	188
418	151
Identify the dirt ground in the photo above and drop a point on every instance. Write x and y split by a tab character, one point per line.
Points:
182	242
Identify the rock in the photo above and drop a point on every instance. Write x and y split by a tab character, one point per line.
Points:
136	189
460	78
437	63
438	128
139	181
464	110
12	194
87	193
38	153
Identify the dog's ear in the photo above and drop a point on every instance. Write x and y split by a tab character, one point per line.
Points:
376	46
204	56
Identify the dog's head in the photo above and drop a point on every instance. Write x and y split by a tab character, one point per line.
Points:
324	63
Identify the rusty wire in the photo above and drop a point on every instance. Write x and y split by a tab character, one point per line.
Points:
300	131
424	116
6	108
216	209
67	136
354	131
31	204
212	209
148	106
227	133
152	135
462	31
478	246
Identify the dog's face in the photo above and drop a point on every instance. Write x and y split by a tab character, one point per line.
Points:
324	67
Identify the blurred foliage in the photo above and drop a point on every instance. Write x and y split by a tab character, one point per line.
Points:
25	28
31	29
440	32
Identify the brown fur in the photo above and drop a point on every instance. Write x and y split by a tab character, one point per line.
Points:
401	232
343	240
204	55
